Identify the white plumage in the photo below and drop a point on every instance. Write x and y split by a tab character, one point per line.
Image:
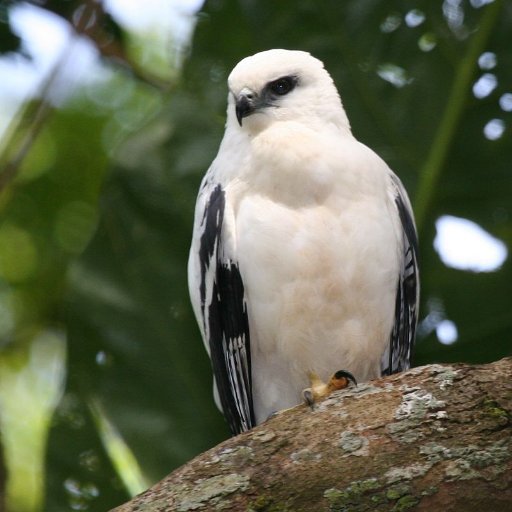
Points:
304	252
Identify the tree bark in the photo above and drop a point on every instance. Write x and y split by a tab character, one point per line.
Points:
434	438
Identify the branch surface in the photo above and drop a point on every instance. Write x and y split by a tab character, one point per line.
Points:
437	437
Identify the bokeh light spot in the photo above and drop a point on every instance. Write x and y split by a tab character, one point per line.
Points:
487	60
506	102
485	85
494	129
427	42
480	3
414	18
391	23
394	74
464	245
447	332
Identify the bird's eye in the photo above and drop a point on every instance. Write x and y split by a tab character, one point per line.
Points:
283	85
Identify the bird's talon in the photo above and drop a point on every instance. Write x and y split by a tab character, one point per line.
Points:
309	397
319	389
341	380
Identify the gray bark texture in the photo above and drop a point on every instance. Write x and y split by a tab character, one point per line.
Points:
435	438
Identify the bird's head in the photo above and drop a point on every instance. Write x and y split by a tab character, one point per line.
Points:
282	85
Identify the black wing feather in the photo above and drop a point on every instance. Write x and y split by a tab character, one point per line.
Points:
403	333
227	322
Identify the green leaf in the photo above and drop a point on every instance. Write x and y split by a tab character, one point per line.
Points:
31	386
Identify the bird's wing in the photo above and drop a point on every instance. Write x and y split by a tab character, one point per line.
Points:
398	355
217	292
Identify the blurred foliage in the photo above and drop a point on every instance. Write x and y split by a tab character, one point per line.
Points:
96	216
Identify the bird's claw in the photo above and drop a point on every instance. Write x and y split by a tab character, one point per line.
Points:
309	397
319	389
341	380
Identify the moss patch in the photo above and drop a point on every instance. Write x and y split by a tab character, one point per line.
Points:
494	411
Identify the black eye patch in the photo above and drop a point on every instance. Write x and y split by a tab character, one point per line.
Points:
282	85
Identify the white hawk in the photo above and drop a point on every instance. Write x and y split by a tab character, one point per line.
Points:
304	250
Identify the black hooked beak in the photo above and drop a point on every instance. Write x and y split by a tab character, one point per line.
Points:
244	106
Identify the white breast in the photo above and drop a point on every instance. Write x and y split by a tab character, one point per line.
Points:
320	275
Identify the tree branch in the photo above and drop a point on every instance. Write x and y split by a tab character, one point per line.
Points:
436	437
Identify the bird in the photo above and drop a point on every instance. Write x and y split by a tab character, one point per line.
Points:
304	253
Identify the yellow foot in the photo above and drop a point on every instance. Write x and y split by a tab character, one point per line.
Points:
319	389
